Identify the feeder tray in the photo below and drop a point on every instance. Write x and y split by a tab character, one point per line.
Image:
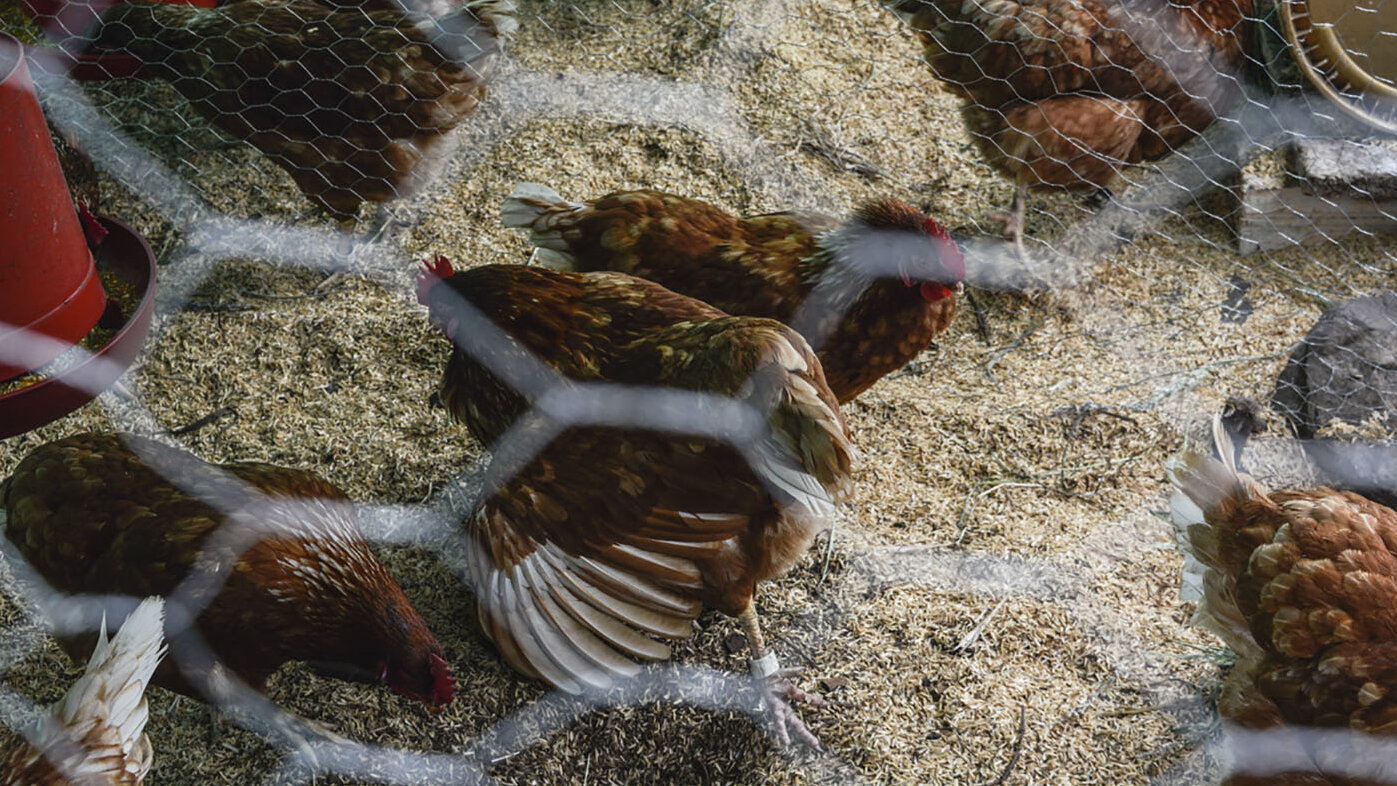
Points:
1348	52
130	258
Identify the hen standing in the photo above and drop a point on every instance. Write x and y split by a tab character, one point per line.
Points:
96	733
885	279
90	515
354	103
1302	585
1061	93
612	534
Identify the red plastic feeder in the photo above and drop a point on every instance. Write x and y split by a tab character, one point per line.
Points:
131	258
48	283
50	293
65	22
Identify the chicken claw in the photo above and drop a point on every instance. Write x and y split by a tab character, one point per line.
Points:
1013	220
780	693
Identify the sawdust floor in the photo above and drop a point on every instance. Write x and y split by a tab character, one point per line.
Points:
1001	603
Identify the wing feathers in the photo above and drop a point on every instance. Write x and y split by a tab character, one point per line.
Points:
575	621
562	613
609	626
692	527
536	654
493	614
671	570
685	550
635	588
560	647
96	732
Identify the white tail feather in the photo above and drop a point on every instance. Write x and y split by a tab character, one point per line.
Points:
1202	483
553	260
105	712
528	202
541	210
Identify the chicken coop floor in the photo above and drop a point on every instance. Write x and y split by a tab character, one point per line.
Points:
1001	604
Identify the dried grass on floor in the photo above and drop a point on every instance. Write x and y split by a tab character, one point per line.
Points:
1036	458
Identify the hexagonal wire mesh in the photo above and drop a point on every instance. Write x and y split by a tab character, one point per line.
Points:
998	600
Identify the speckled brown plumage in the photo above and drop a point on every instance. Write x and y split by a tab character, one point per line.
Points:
1302	584
887	273
354	103
611	535
1061	93
90	515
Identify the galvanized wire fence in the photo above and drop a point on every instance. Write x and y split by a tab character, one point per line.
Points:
1184	277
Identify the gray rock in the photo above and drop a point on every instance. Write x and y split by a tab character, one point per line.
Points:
1346	370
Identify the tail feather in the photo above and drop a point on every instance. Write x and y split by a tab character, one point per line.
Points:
1207	489
553	260
1219	614
105	711
539	209
1207	481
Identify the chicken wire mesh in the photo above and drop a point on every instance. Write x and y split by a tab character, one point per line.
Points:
999	601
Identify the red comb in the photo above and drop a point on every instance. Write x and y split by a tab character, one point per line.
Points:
432	272
443	684
952	260
934	229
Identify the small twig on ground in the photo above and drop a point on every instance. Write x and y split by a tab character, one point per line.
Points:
1178	704
961	525
968	640
829	553
264	296
1192	376
1095	696
1007	348
1080	411
982	324
814	139
195	425
327	282
1190	740
208	305
1014	758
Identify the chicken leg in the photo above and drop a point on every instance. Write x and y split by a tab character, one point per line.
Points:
1014	219
777	690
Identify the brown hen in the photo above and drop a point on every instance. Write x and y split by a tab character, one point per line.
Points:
610	535
1302	585
91	514
96	733
883	282
354	103
1062	93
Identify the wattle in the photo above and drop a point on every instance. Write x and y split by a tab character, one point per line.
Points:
932	291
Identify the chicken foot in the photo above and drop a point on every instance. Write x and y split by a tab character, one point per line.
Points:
1014	220
778	691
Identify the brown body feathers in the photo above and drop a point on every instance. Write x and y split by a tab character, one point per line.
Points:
1060	93
91	515
1302	585
611	536
355	103
869	293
